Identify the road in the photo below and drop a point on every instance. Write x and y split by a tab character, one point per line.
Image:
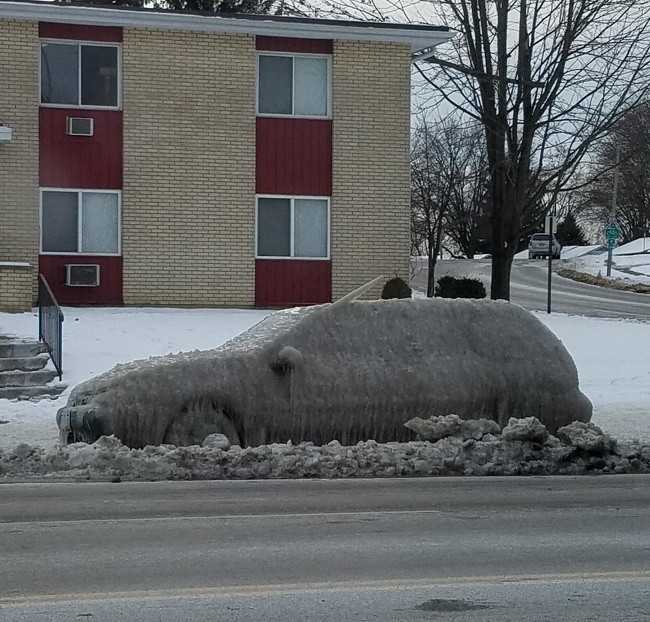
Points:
418	549
529	287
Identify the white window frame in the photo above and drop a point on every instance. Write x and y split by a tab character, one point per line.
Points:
292	199
80	192
327	57
79	44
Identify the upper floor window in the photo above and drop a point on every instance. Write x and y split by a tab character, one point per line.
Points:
293	85
80	74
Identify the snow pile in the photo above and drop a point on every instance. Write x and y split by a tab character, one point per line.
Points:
523	447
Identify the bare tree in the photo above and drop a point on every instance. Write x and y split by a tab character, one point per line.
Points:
431	188
545	78
469	201
629	144
445	187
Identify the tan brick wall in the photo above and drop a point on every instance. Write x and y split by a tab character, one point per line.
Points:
188	204
371	130
19	158
16	287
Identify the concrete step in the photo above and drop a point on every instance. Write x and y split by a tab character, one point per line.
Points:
27	378
32	393
24	363
10	348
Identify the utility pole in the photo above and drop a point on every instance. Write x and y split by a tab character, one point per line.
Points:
612	212
550	229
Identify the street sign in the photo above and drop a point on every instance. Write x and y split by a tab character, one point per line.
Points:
612	232
550	224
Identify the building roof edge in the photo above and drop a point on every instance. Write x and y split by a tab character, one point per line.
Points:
418	36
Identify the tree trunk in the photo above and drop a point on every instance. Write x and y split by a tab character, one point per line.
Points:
501	225
501	267
431	273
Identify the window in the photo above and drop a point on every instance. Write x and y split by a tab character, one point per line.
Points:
80	222
293	85
79	74
288	227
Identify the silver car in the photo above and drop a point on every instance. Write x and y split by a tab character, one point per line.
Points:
538	246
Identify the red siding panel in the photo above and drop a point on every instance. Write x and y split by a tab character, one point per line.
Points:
80	32
109	291
289	282
80	161
294	156
288	44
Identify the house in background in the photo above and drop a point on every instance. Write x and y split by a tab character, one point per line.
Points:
161	158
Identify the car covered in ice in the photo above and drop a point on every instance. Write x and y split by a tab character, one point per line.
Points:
350	371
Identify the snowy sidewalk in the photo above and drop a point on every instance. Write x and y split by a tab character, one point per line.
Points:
612	357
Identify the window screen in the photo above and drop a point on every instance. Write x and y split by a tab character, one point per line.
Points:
59	226
59	74
275	84
99	223
274	228
310	228
98	75
310	90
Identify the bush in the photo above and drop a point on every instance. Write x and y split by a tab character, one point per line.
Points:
396	288
451	287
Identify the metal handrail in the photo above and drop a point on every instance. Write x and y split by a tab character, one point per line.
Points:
50	323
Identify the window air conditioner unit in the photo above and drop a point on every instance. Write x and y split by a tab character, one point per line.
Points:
6	134
82	275
80	126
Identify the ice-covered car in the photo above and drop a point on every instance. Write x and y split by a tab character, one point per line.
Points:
350	372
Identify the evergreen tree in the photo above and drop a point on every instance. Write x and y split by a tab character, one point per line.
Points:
569	232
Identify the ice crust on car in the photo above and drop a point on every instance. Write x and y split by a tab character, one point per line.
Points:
349	372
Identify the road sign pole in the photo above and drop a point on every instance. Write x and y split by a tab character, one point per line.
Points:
610	248
550	260
612	216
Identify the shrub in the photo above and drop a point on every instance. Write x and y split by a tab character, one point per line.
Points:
396	288
451	287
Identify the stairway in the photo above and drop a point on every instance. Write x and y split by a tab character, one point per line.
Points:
23	372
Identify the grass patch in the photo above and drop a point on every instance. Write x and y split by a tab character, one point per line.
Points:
601	281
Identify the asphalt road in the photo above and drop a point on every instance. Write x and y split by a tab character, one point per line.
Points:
529	289
419	549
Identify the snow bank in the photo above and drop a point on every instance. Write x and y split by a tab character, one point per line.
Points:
341	371
572	252
522	447
640	245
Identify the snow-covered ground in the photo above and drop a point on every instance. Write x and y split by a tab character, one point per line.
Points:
631	268
630	262
96	339
611	356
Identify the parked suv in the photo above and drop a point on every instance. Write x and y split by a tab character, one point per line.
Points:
538	246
